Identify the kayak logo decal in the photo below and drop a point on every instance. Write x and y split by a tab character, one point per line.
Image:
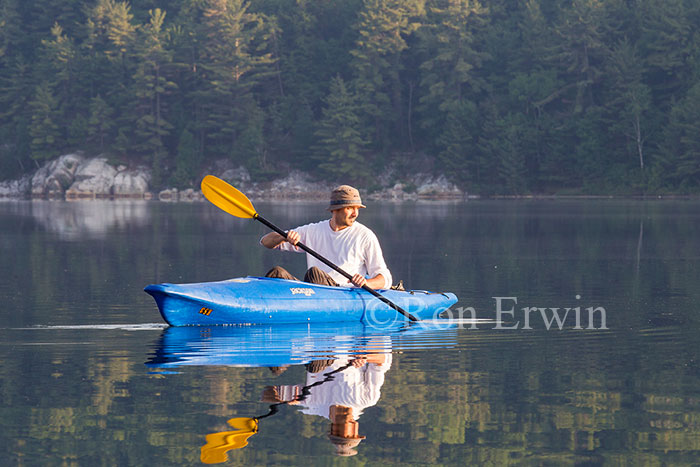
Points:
302	290
205	311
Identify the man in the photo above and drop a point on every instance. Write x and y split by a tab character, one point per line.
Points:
342	240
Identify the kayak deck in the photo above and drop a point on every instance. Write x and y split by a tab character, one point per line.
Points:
262	300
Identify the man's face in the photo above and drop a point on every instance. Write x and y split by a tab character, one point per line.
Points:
345	217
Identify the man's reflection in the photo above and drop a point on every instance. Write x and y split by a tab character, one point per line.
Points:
338	389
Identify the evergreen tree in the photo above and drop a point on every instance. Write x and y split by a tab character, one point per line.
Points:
682	142
234	59
186	160
10	30
151	85
340	148
459	156
631	97
450	73
61	65
581	51
109	68
99	122
44	131
666	45
382	28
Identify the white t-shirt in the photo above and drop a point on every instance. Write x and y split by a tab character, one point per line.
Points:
355	249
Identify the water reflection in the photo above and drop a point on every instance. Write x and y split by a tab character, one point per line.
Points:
71	220
345	367
338	389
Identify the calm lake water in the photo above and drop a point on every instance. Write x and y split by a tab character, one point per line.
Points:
90	375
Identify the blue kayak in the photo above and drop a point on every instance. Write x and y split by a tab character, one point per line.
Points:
262	300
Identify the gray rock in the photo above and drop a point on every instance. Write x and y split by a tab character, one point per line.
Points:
438	187
93	179
168	195
421	186
236	176
296	185
131	183
54	177
190	194
16	188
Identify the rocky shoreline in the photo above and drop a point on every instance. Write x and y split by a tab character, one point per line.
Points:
75	176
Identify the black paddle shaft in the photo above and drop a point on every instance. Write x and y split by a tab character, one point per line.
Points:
369	289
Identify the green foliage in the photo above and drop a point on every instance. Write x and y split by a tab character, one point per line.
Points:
502	96
682	142
382	28
340	149
187	160
100	122
459	154
44	130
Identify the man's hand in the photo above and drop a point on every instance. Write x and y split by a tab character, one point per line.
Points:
273	239
358	280
359	361
376	282
293	237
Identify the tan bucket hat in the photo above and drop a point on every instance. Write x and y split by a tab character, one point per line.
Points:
344	196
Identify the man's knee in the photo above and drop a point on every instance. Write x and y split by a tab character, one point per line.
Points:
315	275
279	272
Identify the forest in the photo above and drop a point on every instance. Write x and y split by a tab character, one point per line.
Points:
502	96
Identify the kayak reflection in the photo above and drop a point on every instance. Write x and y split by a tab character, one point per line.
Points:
287	344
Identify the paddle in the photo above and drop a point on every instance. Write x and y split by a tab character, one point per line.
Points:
231	200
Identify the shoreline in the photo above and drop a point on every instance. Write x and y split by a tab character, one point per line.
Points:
311	197
74	177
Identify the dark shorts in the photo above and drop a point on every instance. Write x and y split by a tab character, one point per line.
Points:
314	276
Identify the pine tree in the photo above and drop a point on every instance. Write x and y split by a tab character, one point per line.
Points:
631	99
44	132
682	142
186	160
581	51
10	30
150	87
108	65
235	57
60	59
99	122
340	148
450	73
459	156
666	45
383	27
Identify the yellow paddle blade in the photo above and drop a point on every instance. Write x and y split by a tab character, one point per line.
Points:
244	423
218	444
227	198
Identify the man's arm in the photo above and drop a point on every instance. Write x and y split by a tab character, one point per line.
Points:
273	239
375	264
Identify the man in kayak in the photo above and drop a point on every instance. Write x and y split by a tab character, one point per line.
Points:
342	240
